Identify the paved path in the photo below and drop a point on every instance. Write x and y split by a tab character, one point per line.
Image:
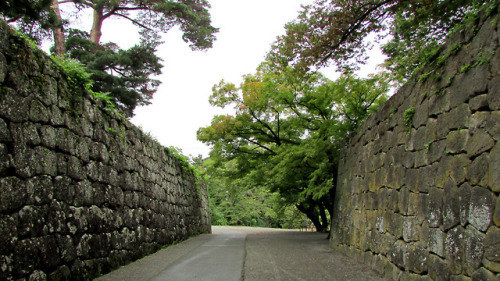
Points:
243	253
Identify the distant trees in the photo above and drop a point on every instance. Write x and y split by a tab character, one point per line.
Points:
287	131
127	75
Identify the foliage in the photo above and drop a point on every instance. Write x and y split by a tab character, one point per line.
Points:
124	74
408	118
33	18
78	75
127	75
336	31
287	131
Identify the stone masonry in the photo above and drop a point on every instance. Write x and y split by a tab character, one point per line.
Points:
82	190
418	186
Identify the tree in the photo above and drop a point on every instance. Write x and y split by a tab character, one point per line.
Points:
156	16
124	74
287	131
34	18
336	31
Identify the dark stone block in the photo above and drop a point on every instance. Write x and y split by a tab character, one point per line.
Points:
479	143
494	167
454	249
451	206
438	269
482	205
14	195
474	249
417	259
435	212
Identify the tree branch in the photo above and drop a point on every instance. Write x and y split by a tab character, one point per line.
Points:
130	19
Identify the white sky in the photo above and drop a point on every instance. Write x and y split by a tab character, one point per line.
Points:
180	106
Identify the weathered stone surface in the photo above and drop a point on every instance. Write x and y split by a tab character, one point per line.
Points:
481	208
456	141
451	206
417	259
479	142
454	249
492	249
496	215
494	167
64	213
483	274
438	269
474	249
477	173
435	213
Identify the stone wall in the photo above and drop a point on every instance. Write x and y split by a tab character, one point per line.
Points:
82	190
418	188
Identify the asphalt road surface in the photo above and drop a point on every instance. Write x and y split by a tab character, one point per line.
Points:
244	253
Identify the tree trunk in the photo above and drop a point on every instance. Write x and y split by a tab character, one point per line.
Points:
58	31
95	33
313	216
324	218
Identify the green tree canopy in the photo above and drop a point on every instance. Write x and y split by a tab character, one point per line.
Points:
287	130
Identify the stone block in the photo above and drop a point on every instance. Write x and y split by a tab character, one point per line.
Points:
494	93
479	103
438	269
46	161
474	249
469	84
398	254
494	167
451	205
492	126
435	212
483	274
477	173
436	151
420	139
394	224
456	141
38	112
482	205
13	106
84	194
492	249
5	135
411	229
48	135
417	258
404	197
439	104
435	241
457	167
75	168
496	215
479	120
479	143
14	195
464	193
39	190
454	249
